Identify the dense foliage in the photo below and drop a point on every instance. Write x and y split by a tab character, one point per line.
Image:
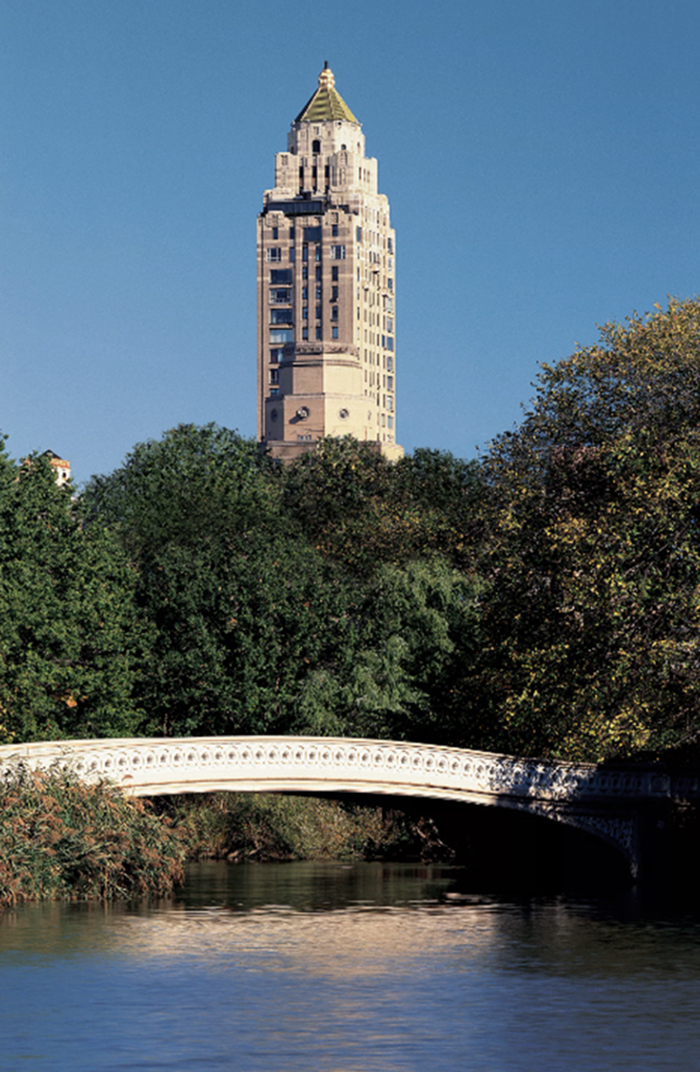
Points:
265	826
594	505
72	639
543	600
308	599
61	838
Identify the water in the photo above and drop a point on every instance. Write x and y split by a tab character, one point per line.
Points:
347	969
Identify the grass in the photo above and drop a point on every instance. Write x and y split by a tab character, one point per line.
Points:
61	838
65	839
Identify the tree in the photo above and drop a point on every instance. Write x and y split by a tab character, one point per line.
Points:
71	639
244	608
193	485
362	511
593	617
290	601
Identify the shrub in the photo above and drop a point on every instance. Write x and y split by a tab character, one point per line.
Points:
63	838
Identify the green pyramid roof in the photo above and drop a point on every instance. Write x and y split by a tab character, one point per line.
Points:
326	102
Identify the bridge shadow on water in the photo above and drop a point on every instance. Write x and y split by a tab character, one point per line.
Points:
508	851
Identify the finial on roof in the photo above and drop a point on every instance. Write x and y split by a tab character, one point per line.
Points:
326	104
326	79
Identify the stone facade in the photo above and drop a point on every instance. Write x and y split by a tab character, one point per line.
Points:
326	288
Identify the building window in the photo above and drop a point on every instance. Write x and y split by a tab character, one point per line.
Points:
276	355
274	375
334	294
292	233
273	253
280	275
305	253
281	316
315	148
334	332
305	334
304	293
390	283
390	383
305	272
390	245
318	275
334	233
280	295
389	324
274	392
318	336
334	312
390	402
319	293
334	273
280	336
390	421
312	234
390	363
318	312
305	312
389	343
292	255
337	253
318	253
275	233
358	234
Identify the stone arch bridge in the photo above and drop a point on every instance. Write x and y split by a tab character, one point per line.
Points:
613	805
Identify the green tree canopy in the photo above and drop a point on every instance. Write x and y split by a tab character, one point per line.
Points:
593	615
71	639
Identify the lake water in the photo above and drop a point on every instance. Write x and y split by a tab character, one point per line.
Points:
341	968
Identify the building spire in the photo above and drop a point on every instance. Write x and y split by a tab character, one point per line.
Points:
326	102
326	79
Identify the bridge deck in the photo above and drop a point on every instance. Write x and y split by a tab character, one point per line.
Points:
600	800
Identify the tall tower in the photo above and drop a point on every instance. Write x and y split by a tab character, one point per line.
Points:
326	291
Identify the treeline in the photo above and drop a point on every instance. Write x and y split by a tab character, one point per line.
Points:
542	600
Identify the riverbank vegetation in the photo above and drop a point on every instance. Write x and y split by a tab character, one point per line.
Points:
258	827
63	839
542	600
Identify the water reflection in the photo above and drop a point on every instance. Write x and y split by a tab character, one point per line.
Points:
333	968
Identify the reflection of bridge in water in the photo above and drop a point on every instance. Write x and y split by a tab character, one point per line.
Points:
617	806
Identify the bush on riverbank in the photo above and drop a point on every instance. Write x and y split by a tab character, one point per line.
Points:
244	826
64	839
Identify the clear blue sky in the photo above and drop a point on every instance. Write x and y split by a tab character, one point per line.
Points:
541	158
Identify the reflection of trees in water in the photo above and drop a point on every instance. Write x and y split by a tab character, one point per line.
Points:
378	919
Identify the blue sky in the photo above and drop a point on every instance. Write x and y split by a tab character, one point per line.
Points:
541	159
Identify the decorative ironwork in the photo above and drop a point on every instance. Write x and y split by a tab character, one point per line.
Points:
598	799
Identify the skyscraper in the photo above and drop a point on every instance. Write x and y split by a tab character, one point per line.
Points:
326	255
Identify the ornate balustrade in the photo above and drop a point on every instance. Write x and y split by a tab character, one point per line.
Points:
153	766
595	798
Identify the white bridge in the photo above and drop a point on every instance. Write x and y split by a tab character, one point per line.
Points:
601	801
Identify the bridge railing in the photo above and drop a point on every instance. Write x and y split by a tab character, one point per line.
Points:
149	766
